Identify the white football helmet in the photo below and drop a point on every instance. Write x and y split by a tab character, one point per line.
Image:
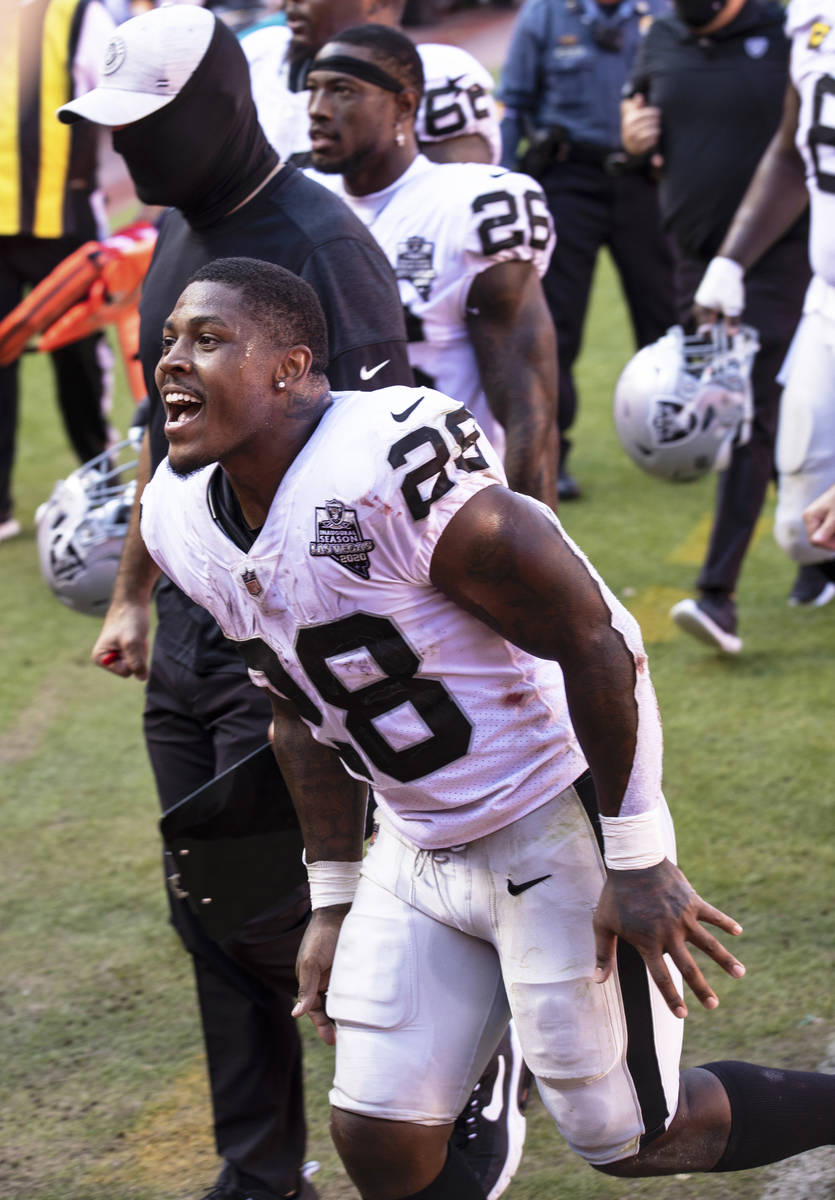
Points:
82	526
684	402
457	98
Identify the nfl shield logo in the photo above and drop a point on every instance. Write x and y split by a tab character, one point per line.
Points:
250	581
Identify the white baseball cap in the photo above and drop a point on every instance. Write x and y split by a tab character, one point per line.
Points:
146	64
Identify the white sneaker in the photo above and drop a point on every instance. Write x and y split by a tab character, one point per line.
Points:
691	616
9	528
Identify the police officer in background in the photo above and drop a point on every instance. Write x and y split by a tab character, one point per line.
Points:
561	86
707	96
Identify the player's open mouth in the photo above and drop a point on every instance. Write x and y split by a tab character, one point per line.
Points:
182	408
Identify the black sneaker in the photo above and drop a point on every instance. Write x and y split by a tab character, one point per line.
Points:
490	1132
567	486
711	619
811	588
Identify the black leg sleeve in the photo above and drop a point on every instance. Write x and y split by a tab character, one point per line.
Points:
455	1182
774	1113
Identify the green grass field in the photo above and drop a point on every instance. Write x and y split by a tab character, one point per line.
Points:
102	1087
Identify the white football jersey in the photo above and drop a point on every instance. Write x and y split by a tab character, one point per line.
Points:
459	732
282	113
811	26
441	225
458	96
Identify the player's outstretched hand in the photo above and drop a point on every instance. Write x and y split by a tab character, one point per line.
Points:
122	644
657	911
313	967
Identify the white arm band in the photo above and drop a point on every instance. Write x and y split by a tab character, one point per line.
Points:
722	288
632	843
332	882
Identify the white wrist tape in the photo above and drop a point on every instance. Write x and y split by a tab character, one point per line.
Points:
332	882
632	843
722	288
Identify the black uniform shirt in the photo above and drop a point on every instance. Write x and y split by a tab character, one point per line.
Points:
721	100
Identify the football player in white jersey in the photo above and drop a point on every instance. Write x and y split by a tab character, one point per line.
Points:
422	628
457	120
797	168
468	242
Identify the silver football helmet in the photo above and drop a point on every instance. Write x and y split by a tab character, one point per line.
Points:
684	402
82	526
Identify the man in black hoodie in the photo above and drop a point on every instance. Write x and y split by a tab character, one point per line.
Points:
706	97
175	89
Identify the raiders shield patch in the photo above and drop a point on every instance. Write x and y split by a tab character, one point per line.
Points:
414	262
338	536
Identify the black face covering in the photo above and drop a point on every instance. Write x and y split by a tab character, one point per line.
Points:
204	152
697	13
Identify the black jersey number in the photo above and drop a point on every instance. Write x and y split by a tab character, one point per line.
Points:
470	459
500	229
821	134
449	731
445	108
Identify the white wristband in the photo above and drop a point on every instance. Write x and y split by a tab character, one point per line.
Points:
632	843
332	882
722	288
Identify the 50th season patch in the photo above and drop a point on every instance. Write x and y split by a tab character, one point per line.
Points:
338	536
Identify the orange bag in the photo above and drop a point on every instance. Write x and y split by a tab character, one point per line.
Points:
98	284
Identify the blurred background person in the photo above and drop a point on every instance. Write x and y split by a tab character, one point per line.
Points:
467	243
50	205
797	169
457	120
706	98
561	85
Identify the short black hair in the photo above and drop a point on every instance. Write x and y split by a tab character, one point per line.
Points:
286	305
391	49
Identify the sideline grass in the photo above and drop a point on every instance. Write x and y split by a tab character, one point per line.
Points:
102	1091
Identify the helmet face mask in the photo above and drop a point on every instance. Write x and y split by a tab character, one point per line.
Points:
684	402
82	527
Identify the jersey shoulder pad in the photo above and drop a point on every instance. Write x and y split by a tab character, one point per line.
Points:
508	217
174	515
375	434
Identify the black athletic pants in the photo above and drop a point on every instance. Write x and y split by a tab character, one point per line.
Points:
79	368
592	209
195	727
774	291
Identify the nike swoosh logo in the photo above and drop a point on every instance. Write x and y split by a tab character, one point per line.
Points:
516	889
493	1110
367	373
407	412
